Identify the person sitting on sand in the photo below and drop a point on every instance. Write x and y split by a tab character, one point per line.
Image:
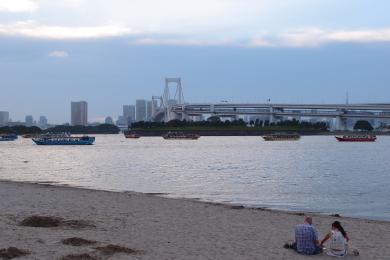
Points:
338	240
306	238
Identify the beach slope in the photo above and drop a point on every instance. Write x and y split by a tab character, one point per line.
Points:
146	226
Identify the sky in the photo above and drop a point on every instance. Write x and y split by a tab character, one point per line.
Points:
111	53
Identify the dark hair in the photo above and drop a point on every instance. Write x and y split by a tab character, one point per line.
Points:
337	225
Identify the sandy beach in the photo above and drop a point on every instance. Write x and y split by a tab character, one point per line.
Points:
146	226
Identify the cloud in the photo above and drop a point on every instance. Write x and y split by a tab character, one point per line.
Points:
259	42
33	29
178	23
20	6
307	37
152	16
58	54
316	37
302	37
179	41
16	6
60	3
382	35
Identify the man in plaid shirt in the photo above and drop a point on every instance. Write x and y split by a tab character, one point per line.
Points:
306	238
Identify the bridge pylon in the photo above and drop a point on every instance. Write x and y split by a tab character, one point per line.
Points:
168	101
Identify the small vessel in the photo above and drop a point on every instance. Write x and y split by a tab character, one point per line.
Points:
282	137
8	137
356	138
63	139
132	135
181	136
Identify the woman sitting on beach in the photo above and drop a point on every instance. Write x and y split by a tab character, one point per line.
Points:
338	240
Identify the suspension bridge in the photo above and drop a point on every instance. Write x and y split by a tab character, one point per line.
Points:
174	107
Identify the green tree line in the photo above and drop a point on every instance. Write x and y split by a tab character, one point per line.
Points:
78	129
216	122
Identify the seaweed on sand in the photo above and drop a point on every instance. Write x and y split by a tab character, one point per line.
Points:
79	257
50	221
76	241
12	252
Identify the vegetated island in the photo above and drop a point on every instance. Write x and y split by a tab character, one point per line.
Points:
211	127
216	127
78	129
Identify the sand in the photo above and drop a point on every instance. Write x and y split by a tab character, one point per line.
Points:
152	227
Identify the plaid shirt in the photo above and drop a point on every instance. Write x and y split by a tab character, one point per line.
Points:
305	237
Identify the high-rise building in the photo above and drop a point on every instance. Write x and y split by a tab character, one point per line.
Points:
42	123
29	120
4	117
120	121
128	114
140	109
79	113
151	107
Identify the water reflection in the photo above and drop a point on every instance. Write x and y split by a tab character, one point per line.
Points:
314	174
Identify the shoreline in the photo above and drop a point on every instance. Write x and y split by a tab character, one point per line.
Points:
227	133
163	228
197	200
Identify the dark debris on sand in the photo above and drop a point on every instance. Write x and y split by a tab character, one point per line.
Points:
12	252
49	221
110	250
79	257
76	241
41	221
237	207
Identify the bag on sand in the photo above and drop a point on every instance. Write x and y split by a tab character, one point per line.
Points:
353	250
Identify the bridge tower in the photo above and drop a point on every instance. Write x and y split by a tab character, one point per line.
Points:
271	115
341	123
341	120
177	99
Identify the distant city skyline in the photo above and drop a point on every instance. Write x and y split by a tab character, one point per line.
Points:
298	51
130	110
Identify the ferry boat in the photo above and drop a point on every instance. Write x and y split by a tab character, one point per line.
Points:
181	136
63	139
8	137
282	137
132	135
356	138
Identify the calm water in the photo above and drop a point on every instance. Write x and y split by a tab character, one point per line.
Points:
314	174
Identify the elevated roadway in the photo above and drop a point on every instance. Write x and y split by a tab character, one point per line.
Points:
340	112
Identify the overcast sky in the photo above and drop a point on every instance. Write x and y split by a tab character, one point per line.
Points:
110	53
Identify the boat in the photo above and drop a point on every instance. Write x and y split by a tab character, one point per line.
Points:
8	137
132	135
180	136
63	139
356	138
282	137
